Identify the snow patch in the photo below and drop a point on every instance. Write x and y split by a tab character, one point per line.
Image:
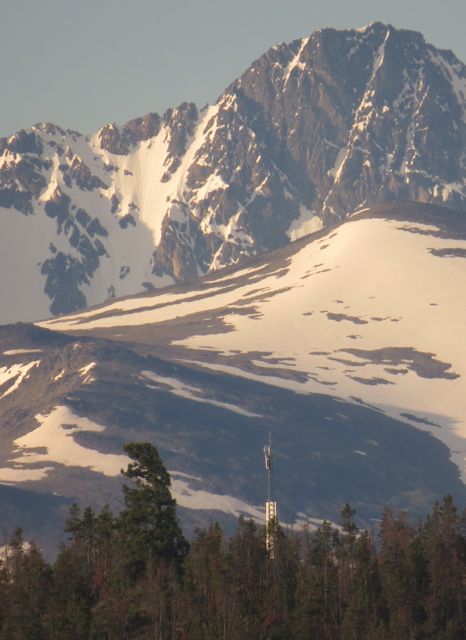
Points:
296	61
87	379
335	171
18	371
19	352
200	499
307	223
17	473
183	390
55	434
214	182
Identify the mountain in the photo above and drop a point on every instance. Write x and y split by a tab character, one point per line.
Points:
346	344
312	131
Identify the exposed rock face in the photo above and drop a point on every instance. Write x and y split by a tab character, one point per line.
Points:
353	118
120	141
311	131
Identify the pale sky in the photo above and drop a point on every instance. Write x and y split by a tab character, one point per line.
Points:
81	63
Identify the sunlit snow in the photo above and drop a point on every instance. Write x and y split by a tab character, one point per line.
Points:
18	372
307	223
19	352
55	435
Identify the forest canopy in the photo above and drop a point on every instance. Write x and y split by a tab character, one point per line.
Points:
133	575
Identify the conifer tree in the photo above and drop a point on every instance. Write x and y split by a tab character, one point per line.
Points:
148	522
28	579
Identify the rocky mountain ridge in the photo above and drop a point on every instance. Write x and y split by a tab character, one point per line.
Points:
310	132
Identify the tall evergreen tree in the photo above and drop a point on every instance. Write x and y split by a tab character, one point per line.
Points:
149	523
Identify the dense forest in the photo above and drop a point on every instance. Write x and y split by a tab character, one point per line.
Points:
134	576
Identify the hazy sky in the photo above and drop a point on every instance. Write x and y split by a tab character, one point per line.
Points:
81	63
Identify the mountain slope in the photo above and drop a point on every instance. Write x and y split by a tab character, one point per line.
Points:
372	309
350	351
311	131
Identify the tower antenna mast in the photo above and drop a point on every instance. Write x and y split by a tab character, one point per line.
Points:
268	466
270	505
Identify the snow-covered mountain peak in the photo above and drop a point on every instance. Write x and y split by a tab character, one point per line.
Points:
310	132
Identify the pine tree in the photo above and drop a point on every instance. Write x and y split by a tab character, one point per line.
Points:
148	522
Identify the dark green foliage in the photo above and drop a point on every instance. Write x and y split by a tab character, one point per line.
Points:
131	577
148	525
26	581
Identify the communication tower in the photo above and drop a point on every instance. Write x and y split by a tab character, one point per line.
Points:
270	505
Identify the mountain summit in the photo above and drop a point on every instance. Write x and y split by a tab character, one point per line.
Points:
312	131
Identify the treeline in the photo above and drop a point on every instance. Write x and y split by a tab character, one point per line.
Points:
134	576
